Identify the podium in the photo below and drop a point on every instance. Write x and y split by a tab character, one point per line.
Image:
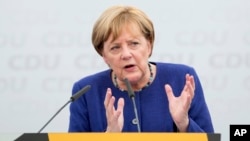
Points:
119	137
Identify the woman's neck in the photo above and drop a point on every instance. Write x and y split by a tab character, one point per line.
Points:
141	84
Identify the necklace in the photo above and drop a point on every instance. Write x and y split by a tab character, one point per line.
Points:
149	81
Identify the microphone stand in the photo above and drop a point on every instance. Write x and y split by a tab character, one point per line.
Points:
72	99
54	116
132	96
136	114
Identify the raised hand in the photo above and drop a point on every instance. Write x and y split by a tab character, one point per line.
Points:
179	106
115	119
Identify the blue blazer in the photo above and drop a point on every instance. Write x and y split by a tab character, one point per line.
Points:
87	114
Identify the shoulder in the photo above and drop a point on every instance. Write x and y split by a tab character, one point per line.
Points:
174	71
174	67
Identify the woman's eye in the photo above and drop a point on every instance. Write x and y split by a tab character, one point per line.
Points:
135	43
114	47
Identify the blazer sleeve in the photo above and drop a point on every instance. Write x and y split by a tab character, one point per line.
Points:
199	116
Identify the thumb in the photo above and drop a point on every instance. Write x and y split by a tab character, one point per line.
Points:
169	91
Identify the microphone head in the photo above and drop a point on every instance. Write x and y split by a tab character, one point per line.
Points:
80	93
130	91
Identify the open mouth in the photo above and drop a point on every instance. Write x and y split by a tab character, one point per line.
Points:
129	66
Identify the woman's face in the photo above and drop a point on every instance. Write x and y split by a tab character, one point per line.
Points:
128	55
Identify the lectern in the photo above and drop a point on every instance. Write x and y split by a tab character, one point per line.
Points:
119	137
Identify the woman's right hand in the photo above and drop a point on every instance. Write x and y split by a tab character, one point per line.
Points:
114	116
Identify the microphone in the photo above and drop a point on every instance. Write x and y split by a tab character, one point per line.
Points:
72	99
132	97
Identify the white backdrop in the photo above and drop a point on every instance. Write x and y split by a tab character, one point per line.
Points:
45	46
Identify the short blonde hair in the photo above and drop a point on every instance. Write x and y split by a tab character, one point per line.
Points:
114	18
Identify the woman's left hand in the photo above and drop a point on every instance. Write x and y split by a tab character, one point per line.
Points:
179	106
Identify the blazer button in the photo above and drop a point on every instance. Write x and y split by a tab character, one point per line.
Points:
134	121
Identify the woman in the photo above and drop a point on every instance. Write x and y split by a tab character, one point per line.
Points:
168	97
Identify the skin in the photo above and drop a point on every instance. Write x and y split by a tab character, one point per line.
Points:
128	57
179	106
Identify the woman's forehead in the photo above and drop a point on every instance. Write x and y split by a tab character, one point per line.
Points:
130	28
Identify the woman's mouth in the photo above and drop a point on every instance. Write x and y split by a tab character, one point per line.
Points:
129	67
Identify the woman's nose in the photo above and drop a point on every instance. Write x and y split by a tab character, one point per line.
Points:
126	53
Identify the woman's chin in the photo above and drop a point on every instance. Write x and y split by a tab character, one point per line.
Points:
132	79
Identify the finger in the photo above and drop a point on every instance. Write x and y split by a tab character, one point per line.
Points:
119	111
185	88
120	105
169	91
187	103
192	82
189	94
107	97
190	78
190	86
110	108
190	90
187	76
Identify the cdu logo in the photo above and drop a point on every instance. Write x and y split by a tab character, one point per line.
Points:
239	132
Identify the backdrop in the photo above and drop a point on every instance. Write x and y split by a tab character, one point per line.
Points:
45	46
